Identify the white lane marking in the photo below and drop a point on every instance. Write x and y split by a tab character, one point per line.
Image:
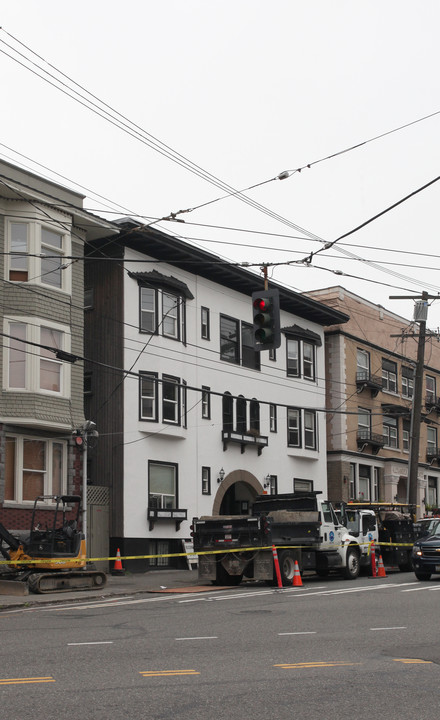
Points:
100	642
207	637
306	632
402	627
422	587
209	595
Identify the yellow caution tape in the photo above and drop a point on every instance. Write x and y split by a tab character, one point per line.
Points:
223	551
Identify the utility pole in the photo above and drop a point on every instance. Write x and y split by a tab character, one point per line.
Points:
416	416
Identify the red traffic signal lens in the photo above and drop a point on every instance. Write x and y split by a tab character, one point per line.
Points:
261	304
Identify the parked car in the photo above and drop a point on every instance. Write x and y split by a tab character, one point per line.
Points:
426	555
426	526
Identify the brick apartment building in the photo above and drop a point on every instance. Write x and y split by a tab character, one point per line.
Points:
370	362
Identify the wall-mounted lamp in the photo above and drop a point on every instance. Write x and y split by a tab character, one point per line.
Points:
221	476
267	480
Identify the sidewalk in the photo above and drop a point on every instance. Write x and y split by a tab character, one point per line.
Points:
128	584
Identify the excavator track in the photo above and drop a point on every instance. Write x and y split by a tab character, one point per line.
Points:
41	583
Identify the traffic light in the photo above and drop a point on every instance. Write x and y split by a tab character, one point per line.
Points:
266	319
78	439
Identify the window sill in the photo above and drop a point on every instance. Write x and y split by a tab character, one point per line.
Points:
303	452
159	514
152	428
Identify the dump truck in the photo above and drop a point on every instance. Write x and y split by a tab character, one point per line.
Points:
302	527
52	557
389	525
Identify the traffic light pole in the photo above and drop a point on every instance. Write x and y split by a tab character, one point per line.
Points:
416	417
416	413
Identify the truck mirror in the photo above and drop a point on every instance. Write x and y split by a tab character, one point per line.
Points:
343	515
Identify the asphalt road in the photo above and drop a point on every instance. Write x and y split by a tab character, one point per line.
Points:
331	649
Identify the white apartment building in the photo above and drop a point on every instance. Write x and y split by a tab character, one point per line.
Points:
198	423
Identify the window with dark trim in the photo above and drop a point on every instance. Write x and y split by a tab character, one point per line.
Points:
184	404
406	430
204	323
254	415
431	439
236	343
170	400
273	418
206	480
389	375
162	484
390	431
148	396
228	412
229	340
162	312
241	414
273	484
206	402
293	427
310	429
362	364
407	382
301	485
430	389
364	423
301	358
302	428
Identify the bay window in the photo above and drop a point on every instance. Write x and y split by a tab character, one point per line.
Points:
34	466
37	253
36	369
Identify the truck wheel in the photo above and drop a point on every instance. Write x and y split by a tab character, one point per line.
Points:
352	567
423	576
286	560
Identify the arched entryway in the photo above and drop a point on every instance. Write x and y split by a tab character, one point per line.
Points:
236	493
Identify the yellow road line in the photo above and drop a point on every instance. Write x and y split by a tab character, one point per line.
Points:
167	673
21	681
290	666
414	661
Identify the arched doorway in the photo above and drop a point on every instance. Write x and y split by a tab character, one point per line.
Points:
237	493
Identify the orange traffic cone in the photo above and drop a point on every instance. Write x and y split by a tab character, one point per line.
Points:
117	568
277	566
297	581
380	568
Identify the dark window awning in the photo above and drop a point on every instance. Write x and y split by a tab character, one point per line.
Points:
303	333
167	282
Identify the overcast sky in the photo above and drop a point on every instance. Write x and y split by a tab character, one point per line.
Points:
244	90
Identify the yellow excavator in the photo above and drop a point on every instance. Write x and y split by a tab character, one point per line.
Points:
53	557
